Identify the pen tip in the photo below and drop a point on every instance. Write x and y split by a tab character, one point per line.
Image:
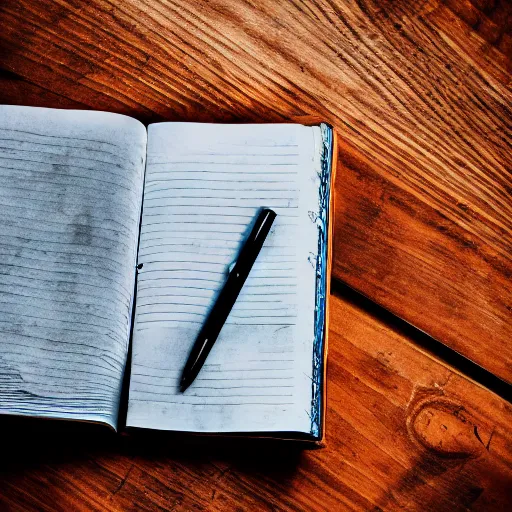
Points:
183	386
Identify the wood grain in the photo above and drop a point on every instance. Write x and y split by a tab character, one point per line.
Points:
404	432
419	92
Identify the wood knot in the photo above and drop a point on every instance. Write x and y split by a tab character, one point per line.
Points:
445	427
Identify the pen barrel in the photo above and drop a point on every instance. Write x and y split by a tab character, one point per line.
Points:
228	295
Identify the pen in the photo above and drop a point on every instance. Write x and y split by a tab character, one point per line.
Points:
227	297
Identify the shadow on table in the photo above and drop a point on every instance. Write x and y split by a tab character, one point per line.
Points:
31	443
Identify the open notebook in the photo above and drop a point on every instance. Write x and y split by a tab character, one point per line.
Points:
73	185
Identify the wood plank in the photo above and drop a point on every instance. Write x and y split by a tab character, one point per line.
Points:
17	91
418	90
403	432
420	265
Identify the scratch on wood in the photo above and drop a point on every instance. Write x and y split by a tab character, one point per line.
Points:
490	438
123	481
477	435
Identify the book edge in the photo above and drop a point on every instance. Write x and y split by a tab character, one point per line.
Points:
324	258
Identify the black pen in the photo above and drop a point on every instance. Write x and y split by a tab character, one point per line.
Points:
227	297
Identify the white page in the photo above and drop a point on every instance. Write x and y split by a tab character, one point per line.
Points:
204	186
70	194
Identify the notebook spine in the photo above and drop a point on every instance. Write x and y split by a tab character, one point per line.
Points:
322	222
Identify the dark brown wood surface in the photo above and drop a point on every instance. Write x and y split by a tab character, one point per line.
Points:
419	93
404	432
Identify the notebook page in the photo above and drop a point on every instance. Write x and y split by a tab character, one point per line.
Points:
204	186
70	194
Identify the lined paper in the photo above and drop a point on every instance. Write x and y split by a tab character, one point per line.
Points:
70	194
204	186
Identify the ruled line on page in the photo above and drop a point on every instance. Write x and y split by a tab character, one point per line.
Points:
28	174
166	369
66	152
210	404
46	135
223	163
222	388
66	147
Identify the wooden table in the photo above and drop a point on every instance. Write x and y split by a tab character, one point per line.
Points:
419	92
